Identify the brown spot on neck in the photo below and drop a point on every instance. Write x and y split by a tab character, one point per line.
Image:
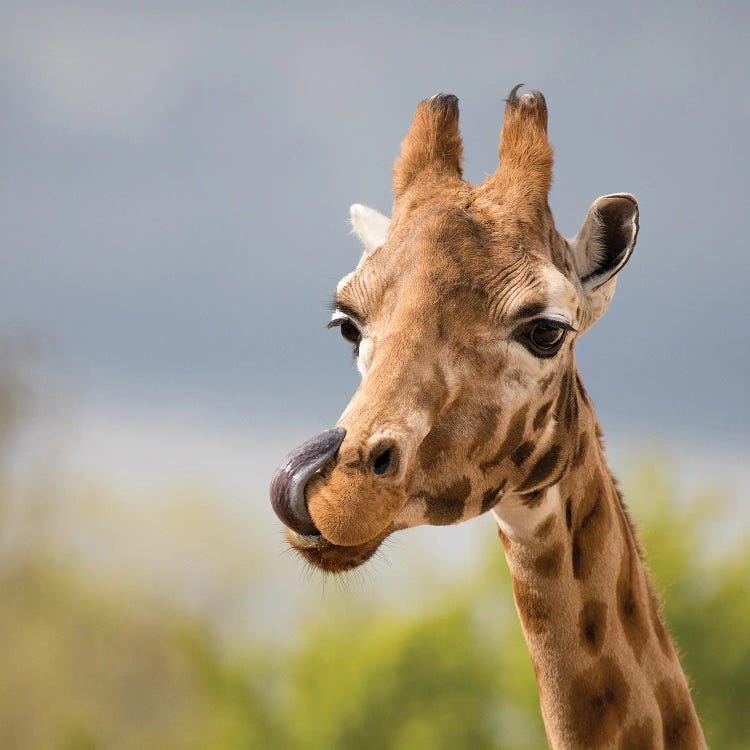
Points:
548	563
630	603
590	534
593	625
680	727
532	607
579	455
545	527
542	469
639	736
521	453
541	415
598	701
562	399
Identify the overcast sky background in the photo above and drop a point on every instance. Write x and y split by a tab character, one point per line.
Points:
176	180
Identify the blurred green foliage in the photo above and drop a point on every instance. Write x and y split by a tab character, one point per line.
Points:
85	666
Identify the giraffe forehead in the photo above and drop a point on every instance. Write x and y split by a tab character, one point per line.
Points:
444	259
478	288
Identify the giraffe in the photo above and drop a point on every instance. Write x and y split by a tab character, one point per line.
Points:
463	313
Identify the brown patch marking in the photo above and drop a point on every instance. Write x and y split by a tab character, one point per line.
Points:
593	625
532	607
544	383
581	449
541	415
548	563
485	432
512	440
545	527
571	408
521	453
598	699
590	535
562	398
630	606
639	736
680	728
448	506
542	468
435	443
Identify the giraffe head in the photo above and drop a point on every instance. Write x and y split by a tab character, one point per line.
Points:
462	314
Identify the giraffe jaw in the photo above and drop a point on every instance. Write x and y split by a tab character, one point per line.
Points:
332	558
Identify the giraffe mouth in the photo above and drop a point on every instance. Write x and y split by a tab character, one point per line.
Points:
304	464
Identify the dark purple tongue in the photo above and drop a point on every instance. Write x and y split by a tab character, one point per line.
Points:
288	484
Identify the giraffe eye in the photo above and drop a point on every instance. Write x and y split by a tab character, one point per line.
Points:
545	337
350	332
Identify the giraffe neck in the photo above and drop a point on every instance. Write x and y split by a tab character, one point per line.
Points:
607	671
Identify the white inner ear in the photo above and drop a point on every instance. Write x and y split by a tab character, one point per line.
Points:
369	225
588	246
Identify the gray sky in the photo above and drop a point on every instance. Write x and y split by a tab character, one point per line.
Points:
176	182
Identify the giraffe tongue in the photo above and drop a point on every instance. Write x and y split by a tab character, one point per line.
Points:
288	484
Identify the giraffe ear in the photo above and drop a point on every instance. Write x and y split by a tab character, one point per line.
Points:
601	248
606	240
369	225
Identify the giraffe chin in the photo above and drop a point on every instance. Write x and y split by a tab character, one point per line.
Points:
333	558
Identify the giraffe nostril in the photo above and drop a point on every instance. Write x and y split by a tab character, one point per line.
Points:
382	463
384	459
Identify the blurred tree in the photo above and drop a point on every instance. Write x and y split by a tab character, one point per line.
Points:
83	669
392	683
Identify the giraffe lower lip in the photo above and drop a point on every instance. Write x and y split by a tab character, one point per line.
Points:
309	540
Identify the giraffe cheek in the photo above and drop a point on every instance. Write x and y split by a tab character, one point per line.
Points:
352	509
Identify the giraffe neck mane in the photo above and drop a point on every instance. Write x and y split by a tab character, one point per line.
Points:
607	671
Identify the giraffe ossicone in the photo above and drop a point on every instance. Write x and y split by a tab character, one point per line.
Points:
463	314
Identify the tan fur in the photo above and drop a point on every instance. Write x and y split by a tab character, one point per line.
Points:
478	422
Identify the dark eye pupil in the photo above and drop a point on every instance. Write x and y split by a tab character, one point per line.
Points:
350	332
546	336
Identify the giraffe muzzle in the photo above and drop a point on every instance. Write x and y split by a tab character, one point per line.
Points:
288	484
